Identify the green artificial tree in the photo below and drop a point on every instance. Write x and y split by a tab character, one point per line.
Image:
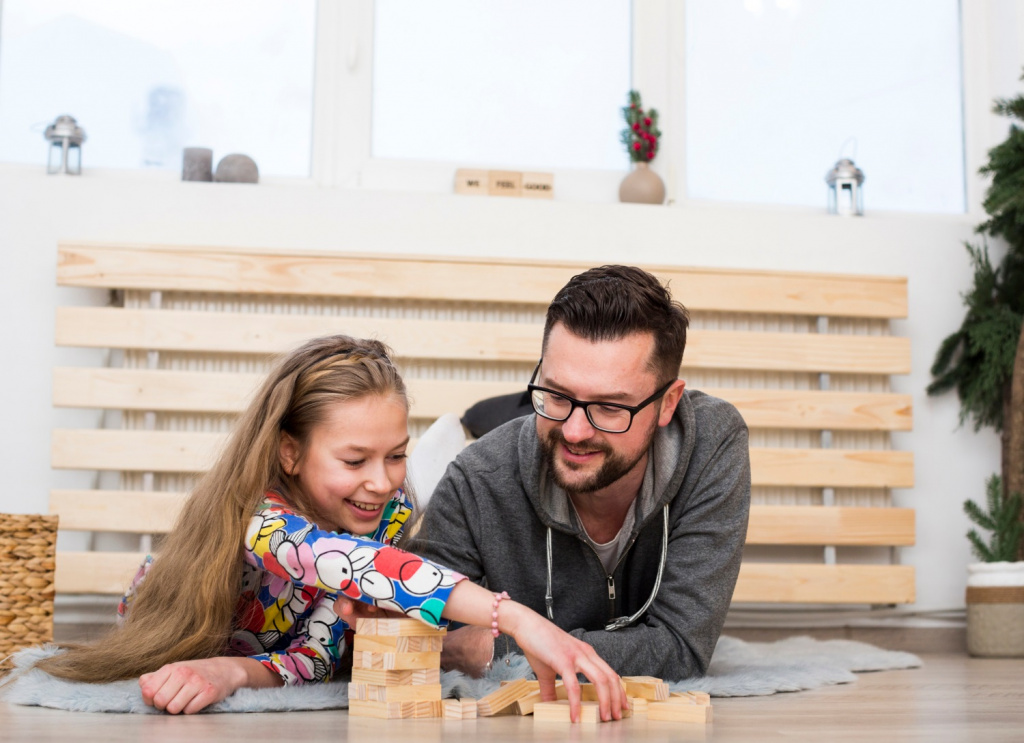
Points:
1002	518
641	133
984	359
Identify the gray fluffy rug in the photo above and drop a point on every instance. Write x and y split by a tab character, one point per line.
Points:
737	669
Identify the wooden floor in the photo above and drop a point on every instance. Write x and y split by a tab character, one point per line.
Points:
952	698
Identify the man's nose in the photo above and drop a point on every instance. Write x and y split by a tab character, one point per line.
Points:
577	426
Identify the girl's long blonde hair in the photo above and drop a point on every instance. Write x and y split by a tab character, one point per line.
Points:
184	608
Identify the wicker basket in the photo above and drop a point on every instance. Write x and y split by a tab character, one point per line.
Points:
27	545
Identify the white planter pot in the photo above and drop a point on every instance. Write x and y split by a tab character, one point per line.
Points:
995	609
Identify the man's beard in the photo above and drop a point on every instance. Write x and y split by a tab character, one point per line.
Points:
614	467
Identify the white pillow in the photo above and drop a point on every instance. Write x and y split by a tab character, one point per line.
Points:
437	447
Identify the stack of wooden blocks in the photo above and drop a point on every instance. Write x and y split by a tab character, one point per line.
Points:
396	672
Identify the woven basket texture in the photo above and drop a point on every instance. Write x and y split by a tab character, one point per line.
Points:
27	544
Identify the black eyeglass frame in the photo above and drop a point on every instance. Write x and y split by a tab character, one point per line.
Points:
585	404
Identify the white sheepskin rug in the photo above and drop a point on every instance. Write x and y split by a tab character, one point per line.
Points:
737	669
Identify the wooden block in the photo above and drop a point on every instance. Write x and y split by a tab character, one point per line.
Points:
397	644
590	712
471	181
505	183
396	678
558	711
679	710
395	661
647	687
638	705
397	628
394	710
698	697
524	705
504	699
538	185
394	693
460	709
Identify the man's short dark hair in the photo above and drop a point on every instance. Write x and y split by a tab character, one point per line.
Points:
611	302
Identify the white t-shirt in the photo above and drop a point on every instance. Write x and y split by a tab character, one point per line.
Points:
610	552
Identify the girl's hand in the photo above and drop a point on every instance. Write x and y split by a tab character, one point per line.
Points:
552	652
191	685
350	610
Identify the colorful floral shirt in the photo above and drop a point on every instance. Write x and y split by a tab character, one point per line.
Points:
293	573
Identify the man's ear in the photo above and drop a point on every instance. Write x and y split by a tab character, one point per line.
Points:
670	401
288	454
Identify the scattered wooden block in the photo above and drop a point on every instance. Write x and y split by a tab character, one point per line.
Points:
394	710
472	181
460	709
698	697
679	710
396	678
538	186
394	627
590	712
638	705
394	693
397	644
503	700
395	661
646	687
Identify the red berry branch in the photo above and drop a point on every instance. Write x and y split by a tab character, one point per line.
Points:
641	133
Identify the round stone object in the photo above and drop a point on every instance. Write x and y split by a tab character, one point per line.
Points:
237	169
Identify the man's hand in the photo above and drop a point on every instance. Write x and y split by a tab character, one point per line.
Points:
468	649
191	685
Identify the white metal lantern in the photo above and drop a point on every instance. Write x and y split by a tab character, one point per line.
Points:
845	195
65	137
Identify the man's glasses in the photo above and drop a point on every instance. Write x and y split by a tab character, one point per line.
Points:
610	417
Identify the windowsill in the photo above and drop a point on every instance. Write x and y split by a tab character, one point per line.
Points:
424	184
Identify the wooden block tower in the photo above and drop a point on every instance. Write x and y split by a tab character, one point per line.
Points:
396	669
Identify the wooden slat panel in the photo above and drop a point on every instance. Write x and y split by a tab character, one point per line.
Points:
838	468
461	279
835	525
108	573
135	451
221	392
824	584
223	332
135	511
188	451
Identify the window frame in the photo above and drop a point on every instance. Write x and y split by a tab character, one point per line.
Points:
992	50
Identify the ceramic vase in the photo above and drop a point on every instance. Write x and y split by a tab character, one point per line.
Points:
995	609
642	186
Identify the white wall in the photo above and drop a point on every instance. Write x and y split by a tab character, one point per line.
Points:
37	210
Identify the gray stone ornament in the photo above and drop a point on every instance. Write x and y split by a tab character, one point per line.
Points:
237	169
197	164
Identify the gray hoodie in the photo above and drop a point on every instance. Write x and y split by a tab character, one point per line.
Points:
489	516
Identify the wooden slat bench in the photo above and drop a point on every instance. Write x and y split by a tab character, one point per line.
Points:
806	358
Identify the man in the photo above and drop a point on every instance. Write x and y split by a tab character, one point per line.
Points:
620	508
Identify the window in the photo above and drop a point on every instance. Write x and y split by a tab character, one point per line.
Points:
146	79
778	90
530	84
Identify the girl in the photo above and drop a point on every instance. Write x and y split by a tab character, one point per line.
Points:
303	508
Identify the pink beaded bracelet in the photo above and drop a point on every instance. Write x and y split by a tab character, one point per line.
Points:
498	598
